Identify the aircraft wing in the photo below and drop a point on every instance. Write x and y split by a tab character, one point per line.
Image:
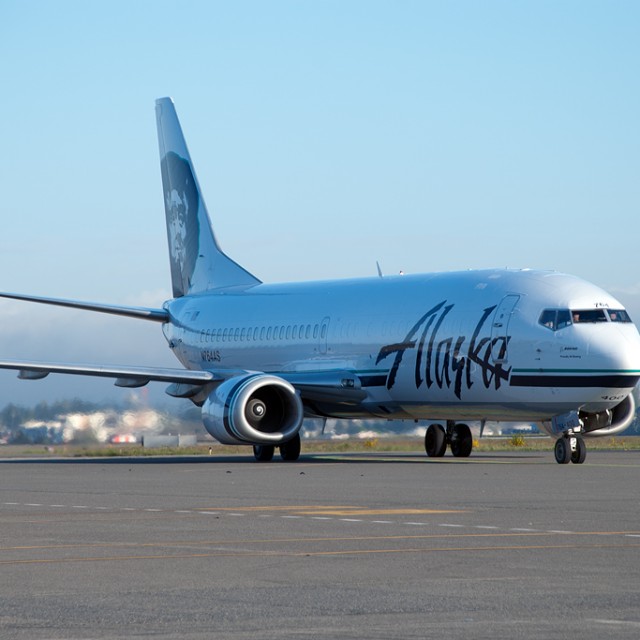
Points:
126	376
342	387
143	313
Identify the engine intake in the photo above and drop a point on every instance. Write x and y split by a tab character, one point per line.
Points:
611	421
253	409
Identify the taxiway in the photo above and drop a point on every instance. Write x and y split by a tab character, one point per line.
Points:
334	546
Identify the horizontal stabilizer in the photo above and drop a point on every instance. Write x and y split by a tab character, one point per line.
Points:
143	313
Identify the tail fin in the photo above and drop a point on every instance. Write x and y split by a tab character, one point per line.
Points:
197	262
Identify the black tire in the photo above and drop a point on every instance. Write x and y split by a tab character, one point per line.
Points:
290	451
263	452
579	455
461	441
435	441
562	451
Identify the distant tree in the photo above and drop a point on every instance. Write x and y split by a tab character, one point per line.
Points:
13	416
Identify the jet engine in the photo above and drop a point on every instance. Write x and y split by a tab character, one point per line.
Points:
611	421
603	423
256	408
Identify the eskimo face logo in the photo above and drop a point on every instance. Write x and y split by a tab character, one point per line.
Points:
445	360
181	205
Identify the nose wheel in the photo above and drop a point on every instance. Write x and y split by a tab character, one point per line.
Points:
570	448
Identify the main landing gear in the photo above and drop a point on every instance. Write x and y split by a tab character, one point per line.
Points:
457	436
289	451
570	448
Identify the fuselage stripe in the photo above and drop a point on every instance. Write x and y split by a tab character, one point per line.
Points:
605	381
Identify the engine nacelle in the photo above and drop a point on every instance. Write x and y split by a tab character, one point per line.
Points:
253	409
610	422
602	423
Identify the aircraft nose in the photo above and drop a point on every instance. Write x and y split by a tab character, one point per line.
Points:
618	350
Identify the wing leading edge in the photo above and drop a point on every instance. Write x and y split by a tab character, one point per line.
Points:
126	376
142	313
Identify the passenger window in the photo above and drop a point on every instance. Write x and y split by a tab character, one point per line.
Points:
315	331
225	333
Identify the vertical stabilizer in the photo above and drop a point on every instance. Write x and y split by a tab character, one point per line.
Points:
197	262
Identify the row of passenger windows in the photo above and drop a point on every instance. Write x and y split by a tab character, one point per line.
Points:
555	319
265	334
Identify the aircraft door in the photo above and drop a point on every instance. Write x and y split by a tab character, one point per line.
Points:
322	338
500	328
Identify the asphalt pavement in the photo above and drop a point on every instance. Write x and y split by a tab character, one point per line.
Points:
333	546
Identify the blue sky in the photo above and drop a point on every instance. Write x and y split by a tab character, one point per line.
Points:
326	136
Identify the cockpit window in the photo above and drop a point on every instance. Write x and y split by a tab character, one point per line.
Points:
555	319
618	315
588	315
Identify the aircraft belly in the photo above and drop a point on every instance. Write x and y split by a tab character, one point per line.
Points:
504	397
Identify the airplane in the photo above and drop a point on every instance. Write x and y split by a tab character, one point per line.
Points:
450	347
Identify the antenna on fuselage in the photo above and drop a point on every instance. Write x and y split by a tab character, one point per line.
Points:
379	269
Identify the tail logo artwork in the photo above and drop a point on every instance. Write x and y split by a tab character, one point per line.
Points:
182	202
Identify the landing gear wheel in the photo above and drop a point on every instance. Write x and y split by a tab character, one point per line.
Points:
562	450
461	441
263	452
579	454
290	451
435	441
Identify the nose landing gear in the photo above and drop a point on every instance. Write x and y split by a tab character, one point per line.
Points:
570	448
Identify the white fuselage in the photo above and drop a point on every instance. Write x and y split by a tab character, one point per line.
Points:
435	346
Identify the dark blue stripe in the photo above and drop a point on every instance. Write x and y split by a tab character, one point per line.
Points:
607	381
